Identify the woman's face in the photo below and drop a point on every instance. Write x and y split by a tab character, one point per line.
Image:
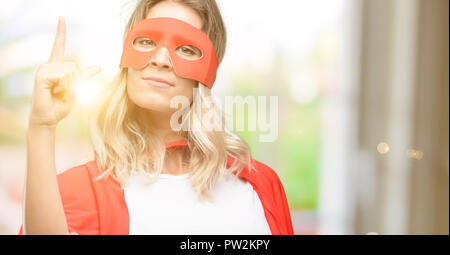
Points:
153	96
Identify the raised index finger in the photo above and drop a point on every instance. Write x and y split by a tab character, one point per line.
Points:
60	41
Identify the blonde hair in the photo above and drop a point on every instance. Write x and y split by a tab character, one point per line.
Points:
123	145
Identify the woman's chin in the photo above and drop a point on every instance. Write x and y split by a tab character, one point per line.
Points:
152	104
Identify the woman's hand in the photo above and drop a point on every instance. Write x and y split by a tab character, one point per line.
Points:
54	85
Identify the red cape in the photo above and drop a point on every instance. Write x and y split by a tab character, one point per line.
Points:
99	207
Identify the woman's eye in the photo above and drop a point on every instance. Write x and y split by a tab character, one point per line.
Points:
143	44
189	52
146	42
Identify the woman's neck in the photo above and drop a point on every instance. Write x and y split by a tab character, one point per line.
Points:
175	162
159	123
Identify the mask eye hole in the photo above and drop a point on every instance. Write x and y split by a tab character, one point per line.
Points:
189	52
143	44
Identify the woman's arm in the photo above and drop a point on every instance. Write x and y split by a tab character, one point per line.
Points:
53	99
43	208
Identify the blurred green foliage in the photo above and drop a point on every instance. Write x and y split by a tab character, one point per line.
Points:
295	154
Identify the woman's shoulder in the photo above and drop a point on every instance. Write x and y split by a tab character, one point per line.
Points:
78	181
264	169
261	173
77	173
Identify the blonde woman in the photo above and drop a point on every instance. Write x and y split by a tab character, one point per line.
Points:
149	175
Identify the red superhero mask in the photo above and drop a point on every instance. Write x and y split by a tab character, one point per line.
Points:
191	51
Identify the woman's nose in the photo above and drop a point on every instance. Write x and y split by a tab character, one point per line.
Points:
161	59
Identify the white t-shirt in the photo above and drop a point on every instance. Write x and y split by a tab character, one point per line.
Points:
170	206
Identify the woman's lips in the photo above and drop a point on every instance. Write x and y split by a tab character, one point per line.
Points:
157	82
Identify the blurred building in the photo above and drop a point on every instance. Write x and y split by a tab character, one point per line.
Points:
404	102
396	176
